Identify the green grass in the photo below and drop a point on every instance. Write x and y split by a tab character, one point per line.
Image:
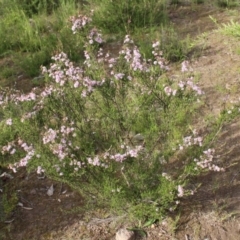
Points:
118	16
38	37
227	3
231	29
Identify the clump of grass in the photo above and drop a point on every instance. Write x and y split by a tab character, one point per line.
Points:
124	16
38	6
227	3
8	202
231	29
173	48
38	37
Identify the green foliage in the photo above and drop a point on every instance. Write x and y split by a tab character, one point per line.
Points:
39	37
8	202
198	1
115	16
173	48
227	3
15	23
231	29
32	7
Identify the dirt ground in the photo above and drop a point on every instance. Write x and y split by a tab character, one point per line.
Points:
213	213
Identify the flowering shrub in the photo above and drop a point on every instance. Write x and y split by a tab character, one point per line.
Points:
104	126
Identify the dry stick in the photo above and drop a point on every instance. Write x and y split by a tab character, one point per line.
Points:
220	128
125	176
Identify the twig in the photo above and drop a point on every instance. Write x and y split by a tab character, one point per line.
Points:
125	176
220	128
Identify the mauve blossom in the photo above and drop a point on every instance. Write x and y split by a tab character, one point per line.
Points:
180	191
9	122
168	90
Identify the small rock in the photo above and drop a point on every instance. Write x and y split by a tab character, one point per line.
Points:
138	138
50	191
153	225
124	234
33	191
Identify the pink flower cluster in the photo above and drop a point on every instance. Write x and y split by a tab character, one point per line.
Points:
206	161
127	39
94	36
28	115
134	58
158	55
180	191
9	122
120	157
79	22
11	148
64	72
96	162
16	97
49	136
59	141
40	170
25	97
169	91
191	140
191	85
194	87
89	85
77	164
186	66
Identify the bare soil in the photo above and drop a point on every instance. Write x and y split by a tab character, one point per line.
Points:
212	213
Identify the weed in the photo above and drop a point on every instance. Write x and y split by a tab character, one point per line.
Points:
38	37
124	16
227	3
231	29
8	203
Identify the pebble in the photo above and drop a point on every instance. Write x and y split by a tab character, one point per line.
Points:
124	234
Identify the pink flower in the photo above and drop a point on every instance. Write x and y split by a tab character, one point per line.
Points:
9	122
168	90
185	66
39	170
13	151
156	44
180	191
49	136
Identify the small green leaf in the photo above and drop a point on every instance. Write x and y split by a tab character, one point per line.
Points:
149	222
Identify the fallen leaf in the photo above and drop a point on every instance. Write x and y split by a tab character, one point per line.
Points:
9	221
27	208
20	204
